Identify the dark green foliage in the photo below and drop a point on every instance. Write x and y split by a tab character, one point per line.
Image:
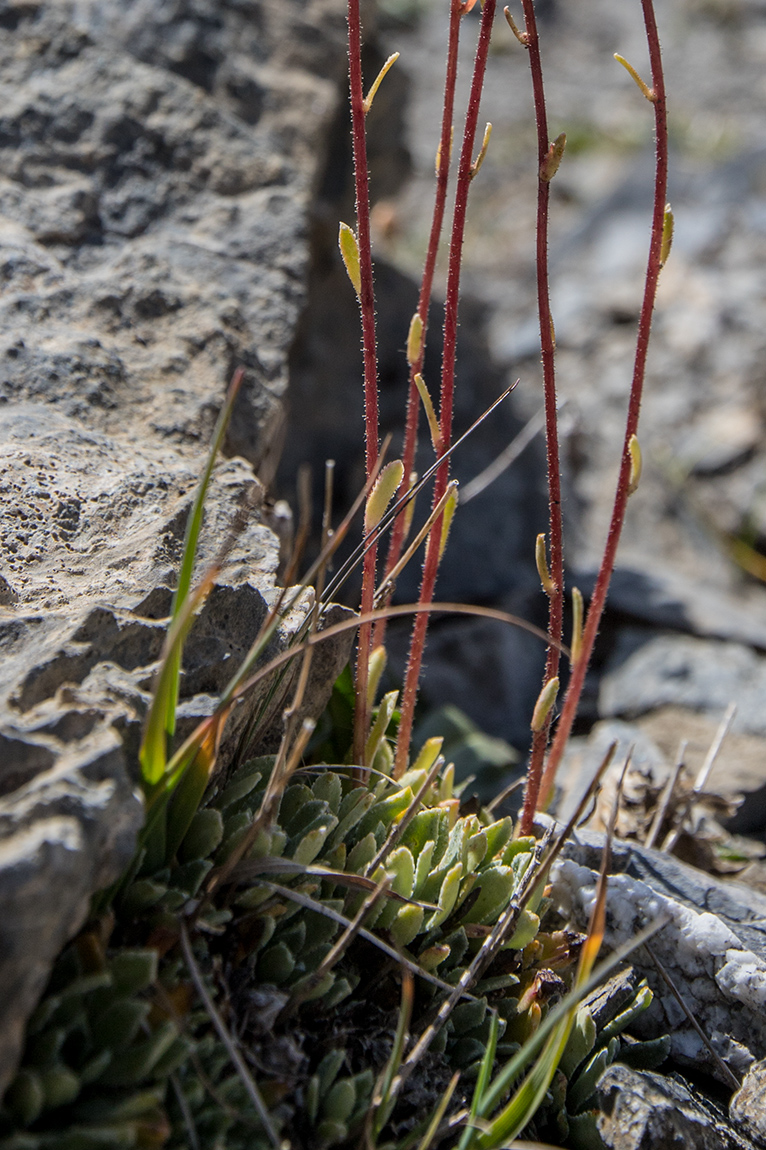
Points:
120	1052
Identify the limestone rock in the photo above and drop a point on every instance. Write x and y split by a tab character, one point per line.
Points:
713	946
68	832
645	1111
157	163
747	1108
650	670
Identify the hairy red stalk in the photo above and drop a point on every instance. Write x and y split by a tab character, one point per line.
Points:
367	307
426	288
431	565
547	343
598	599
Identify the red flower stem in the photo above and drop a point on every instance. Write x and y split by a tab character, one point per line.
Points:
431	565
426	288
598	600
367	307
548	347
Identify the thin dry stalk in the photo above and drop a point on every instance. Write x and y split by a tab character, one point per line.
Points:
505	459
231	1047
342	944
304	524
654	264
321	908
727	1072
667	796
186	1114
704	774
389	518
723	729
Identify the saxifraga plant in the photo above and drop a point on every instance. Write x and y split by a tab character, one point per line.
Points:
254	978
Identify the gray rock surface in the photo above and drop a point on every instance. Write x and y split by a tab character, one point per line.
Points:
747	1108
661	597
648	670
158	162
645	1111
713	945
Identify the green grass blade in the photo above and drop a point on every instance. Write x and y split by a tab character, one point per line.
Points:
192	785
439	1112
191	540
516	1065
153	752
485	1070
525	1102
524	1105
382	1101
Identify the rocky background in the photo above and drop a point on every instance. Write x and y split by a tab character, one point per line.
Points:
686	629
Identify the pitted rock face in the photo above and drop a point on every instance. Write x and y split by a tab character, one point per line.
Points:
156	166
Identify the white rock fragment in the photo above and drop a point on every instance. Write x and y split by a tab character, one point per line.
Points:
721	981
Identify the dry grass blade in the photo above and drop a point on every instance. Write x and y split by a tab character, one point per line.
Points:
667	796
249	869
388	519
704	774
597	924
505	459
401	825
727	1072
448	608
231	1047
407	963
